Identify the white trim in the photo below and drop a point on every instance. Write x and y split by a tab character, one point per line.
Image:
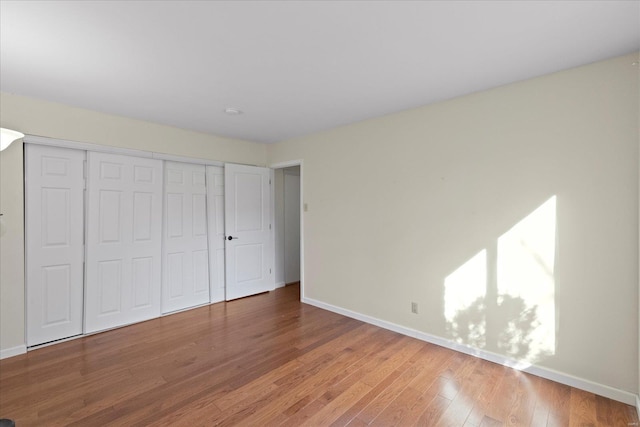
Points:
53	142
550	374
288	163
638	405
272	225
13	351
184	159
280	285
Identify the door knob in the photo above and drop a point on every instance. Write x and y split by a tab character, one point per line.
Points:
231	238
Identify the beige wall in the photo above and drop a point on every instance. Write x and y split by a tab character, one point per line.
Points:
399	205
37	117
42	118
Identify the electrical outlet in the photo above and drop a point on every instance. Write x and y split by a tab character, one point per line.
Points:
414	307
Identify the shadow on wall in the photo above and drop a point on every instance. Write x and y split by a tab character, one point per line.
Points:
503	298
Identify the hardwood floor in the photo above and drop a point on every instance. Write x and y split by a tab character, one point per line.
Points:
269	360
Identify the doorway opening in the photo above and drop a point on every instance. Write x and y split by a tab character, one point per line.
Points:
288	235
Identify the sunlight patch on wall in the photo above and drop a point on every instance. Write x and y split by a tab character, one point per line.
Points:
526	262
503	298
464	292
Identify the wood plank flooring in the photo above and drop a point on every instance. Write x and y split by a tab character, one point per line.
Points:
269	360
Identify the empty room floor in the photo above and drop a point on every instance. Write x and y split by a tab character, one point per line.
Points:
271	360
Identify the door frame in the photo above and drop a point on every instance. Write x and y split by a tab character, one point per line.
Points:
282	165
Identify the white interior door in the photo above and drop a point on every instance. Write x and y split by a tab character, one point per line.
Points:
185	278
248	230
215	221
54	214
124	233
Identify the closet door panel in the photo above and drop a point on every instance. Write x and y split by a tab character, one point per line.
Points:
54	218
123	240
215	221
185	279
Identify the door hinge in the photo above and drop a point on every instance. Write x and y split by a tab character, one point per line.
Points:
269	271
269	226
269	181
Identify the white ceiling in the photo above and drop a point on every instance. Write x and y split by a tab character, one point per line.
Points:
293	68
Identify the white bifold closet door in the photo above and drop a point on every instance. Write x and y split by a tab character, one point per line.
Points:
185	278
124	216
215	215
54	196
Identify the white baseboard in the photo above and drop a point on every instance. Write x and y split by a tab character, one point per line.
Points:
638	405
550	374
13	351
280	285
